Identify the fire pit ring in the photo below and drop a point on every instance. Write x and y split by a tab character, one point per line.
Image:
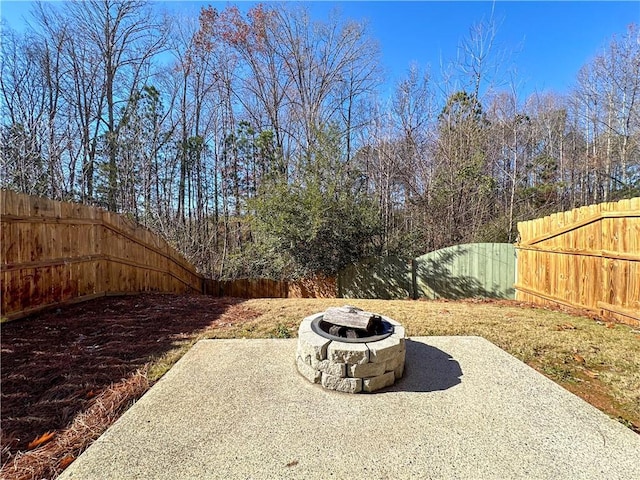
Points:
319	326
351	365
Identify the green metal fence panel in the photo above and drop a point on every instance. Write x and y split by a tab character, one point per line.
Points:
383	277
464	271
461	271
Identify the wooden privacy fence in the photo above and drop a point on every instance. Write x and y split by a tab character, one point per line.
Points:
57	252
460	271
587	258
316	287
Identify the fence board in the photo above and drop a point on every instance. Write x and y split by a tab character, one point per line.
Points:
589	260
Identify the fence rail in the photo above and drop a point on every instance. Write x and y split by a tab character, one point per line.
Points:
586	258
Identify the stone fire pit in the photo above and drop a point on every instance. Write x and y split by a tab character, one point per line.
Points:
363	352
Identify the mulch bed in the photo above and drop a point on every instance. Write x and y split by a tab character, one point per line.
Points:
91	357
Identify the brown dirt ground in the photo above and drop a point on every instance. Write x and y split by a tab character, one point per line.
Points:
58	364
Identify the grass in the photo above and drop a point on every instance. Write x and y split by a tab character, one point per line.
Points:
597	361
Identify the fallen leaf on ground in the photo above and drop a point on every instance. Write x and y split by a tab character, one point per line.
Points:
578	358
40	440
566	326
591	373
66	461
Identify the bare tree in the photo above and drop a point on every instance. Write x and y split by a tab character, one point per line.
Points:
24	108
122	37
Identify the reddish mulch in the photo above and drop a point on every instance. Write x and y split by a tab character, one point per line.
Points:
59	364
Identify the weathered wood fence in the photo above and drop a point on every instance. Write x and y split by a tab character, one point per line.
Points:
317	287
586	258
54	252
57	252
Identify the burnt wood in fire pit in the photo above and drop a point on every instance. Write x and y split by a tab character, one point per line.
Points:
352	325
353	319
340	331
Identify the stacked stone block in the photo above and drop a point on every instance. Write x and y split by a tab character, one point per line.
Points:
350	367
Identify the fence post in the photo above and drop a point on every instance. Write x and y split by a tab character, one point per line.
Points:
414	279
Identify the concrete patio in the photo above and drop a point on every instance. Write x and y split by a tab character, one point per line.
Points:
464	409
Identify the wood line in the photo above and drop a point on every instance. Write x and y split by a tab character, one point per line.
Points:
601	253
550	298
10	267
620	311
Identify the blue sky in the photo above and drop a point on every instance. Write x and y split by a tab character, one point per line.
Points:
547	42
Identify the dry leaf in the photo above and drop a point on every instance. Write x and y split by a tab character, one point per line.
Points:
578	358
591	373
40	440
66	461
566	326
